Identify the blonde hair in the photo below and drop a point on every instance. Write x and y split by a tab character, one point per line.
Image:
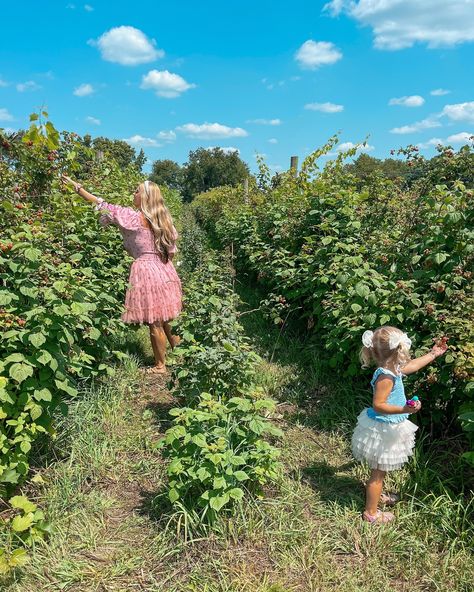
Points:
380	351
154	209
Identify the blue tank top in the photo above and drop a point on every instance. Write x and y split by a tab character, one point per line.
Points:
396	397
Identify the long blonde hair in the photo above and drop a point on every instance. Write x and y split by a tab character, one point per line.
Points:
380	350
157	214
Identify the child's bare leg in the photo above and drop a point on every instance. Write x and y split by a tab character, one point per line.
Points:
373	490
173	339
158	343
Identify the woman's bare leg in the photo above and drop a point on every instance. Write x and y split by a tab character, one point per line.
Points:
173	339
158	343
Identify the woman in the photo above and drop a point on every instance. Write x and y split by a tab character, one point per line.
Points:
154	293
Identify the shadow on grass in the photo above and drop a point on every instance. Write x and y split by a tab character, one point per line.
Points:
334	487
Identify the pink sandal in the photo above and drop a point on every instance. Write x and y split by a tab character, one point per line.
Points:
380	517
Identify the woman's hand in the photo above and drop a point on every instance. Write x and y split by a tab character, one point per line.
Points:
68	181
412	408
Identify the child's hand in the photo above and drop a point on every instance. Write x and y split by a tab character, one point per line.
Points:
412	408
440	347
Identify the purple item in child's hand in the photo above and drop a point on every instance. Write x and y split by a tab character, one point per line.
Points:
411	402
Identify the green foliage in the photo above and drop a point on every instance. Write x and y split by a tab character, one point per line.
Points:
168	173
349	257
59	319
216	445
207	168
123	154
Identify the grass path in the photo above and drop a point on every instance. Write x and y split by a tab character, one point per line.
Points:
103	476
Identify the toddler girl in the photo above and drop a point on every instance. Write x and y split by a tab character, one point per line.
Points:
384	437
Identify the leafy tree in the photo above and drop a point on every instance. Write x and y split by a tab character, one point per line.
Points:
167	172
365	166
209	168
120	151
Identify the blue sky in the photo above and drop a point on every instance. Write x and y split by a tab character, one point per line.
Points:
276	77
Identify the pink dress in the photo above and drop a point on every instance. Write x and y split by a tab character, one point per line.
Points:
154	291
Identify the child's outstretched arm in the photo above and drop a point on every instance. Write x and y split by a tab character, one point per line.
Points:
383	387
422	361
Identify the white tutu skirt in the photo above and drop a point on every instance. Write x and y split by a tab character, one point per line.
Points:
382	445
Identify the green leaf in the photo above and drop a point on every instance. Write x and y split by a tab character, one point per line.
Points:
22	523
236	493
32	254
21	502
173	495
241	475
20	372
25	446
440	258
384	319
35	412
36	339
218	501
44	357
43	395
19	558
219	483
362	290
356	307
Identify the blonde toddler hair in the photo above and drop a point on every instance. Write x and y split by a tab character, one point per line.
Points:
377	347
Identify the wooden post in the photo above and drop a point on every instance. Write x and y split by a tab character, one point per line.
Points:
246	190
294	165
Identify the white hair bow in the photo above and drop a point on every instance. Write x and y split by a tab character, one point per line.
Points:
397	339
368	338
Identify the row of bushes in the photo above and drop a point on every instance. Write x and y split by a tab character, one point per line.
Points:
216	447
59	317
345	258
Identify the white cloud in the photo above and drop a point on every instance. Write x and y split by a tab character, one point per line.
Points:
439	92
460	111
165	84
313	54
83	90
138	140
461	138
127	46
166	136
324	107
5	115
265	121
430	143
93	120
411	101
29	85
273	141
88	8
348	145
207	131
3	83
398	24
428	123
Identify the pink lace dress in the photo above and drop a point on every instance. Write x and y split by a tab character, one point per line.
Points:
154	291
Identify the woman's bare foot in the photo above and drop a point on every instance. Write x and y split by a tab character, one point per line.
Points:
379	517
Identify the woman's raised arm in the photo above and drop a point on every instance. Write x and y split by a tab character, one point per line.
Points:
78	188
